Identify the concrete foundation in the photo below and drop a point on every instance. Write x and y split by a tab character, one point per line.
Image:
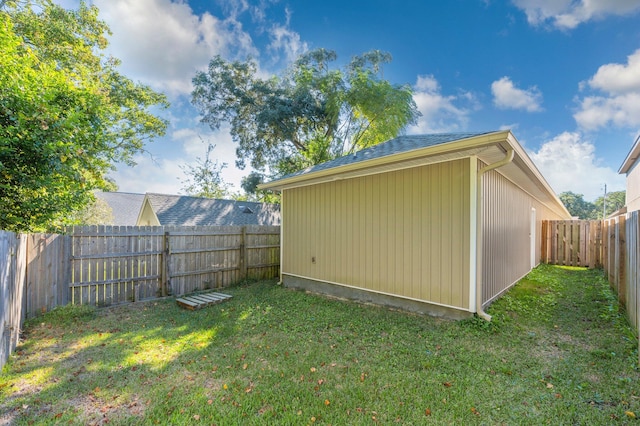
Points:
365	296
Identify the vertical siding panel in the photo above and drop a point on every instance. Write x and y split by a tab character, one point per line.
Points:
466	224
435	234
392	222
416	231
344	236
375	207
361	224
368	231
398	264
383	230
446	234
405	248
457	236
350	233
427	252
335	243
329	231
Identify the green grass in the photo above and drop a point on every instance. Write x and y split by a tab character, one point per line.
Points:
557	352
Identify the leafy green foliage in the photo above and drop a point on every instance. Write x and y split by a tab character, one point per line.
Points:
204	179
275	356
582	209
66	114
614	201
309	115
250	184
576	204
97	212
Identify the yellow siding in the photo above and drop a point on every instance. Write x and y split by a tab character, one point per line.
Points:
633	188
506	221
404	233
147	218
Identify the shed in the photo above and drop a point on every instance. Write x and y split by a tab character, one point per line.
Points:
440	224
631	168
184	210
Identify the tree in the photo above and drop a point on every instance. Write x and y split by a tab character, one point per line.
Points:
66	114
576	205
97	212
306	116
250	184
615	201
205	178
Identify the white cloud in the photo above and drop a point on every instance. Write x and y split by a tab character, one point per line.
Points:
618	78
620	104
507	96
285	40
568	14
165	174
162	43
161	176
569	164
439	112
598	111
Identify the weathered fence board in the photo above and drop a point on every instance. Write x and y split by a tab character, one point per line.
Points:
12	274
632	295
106	265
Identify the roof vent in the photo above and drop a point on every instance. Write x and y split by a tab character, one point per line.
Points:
246	209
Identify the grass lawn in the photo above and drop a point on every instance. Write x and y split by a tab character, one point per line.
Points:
557	352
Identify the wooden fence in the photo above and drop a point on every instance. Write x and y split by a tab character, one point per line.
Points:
572	243
109	265
12	272
622	261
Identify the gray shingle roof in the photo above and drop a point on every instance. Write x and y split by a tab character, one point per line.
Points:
390	147
183	210
125	206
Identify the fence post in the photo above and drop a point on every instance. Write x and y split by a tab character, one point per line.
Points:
543	242
243	254
166	272
65	280
622	256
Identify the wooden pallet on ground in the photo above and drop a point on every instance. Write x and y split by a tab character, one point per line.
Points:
197	301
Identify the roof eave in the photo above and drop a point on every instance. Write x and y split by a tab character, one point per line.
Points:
460	144
631	158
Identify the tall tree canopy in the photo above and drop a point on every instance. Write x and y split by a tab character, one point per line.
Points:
66	114
306	116
582	209
576	204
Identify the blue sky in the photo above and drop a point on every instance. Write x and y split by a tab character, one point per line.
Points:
564	75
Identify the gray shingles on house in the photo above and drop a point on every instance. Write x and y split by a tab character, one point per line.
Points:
125	206
182	210
394	146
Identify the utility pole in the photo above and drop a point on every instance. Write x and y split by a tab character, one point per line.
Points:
604	203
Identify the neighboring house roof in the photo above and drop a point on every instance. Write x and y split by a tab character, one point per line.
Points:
183	210
416	150
125	206
632	157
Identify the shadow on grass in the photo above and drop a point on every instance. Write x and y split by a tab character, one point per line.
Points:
558	351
